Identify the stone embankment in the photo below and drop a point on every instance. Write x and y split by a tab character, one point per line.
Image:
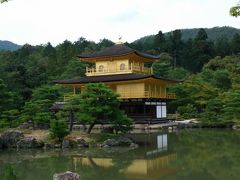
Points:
16	139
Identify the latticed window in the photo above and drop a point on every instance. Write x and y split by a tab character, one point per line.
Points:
122	66
100	68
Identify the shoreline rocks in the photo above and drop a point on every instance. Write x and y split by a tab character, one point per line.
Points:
10	138
29	142
16	139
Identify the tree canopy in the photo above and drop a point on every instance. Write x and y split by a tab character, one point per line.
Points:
98	104
235	10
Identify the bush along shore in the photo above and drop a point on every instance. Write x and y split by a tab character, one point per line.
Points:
18	139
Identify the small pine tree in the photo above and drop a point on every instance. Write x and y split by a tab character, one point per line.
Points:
58	129
98	105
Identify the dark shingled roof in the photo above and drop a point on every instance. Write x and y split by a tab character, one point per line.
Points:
110	78
117	50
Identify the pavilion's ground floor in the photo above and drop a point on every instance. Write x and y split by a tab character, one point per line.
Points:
142	111
145	111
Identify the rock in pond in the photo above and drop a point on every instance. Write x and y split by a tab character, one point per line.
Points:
48	146
81	142
29	142
110	143
124	141
66	176
65	144
11	137
235	127
133	146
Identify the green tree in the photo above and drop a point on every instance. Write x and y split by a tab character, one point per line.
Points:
6	100
222	46
219	78
235	10
187	111
202	51
160	42
10	118
98	105
74	69
38	108
162	67
104	43
213	112
65	52
176	46
231	109
177	73
235	44
70	110
58	129
49	60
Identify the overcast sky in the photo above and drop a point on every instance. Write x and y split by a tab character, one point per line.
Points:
41	21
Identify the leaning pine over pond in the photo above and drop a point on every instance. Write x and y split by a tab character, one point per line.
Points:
143	96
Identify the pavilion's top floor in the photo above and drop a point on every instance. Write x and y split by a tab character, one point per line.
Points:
118	59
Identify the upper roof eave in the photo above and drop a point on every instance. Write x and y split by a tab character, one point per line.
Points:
116	51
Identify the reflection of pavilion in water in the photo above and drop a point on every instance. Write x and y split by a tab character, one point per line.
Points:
154	164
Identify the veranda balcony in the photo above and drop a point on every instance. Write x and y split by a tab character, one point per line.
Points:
146	94
117	70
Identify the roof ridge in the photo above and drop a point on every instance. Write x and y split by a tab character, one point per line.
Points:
116	50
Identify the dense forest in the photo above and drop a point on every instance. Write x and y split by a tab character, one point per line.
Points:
210	70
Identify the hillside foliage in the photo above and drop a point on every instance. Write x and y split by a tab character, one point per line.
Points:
210	70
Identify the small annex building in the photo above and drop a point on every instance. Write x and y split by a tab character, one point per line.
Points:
143	96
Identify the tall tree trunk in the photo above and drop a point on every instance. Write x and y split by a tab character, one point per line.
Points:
71	119
90	128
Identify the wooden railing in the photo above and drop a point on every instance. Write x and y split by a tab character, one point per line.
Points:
117	70
145	94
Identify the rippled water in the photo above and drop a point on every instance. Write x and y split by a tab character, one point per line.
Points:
188	154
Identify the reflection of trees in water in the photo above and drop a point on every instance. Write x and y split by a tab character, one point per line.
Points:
200	155
104	165
206	154
37	164
88	163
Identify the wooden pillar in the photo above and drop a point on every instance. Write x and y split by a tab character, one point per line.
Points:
74	90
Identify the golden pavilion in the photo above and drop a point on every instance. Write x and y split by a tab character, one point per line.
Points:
143	96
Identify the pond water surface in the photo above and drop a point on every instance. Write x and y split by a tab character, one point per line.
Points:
187	154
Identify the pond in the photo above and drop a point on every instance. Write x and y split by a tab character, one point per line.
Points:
187	154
